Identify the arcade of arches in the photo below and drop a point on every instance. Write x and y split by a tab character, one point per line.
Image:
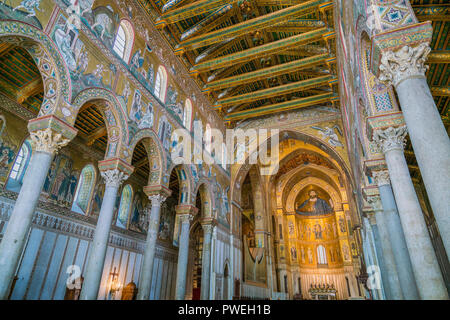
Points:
114	187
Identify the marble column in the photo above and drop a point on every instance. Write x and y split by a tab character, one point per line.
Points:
425	265
183	253
45	144
393	288
396	237
145	278
206	259
406	71
91	284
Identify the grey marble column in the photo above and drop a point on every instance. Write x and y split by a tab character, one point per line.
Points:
183	253
424	262
374	255
145	278
406	71
393	288
91	284
206	260
396	237
45	144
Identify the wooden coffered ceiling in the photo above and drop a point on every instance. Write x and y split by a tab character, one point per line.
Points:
20	79
253	57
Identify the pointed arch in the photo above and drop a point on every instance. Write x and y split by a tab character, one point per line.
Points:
157	156
204	186
114	115
54	71
186	182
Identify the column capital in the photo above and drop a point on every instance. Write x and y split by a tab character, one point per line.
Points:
375	202
157	190
381	177
400	53
182	209
49	134
407	62
113	177
157	199
392	138
208	224
185	217
114	171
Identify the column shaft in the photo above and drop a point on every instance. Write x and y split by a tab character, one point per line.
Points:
206	262
183	252
94	270
398	244
14	238
149	254
426	269
431	146
394	288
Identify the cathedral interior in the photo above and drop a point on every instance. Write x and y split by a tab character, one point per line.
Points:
119	179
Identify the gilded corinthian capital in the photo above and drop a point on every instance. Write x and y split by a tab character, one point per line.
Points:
392	138
47	140
404	63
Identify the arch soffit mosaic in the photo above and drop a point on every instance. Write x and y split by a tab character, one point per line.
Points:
54	72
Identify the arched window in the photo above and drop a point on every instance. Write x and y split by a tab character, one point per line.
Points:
123	42
321	255
84	191
19	167
161	83
187	118
124	207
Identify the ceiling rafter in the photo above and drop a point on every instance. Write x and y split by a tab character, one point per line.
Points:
279	107
275	91
244	27
260	51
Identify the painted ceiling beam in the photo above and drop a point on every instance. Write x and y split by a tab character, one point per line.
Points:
214	50
141	162
200	26
265	73
279	107
170	4
31	89
440	91
97	134
432	12
261	51
439	56
274	91
245	27
190	10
